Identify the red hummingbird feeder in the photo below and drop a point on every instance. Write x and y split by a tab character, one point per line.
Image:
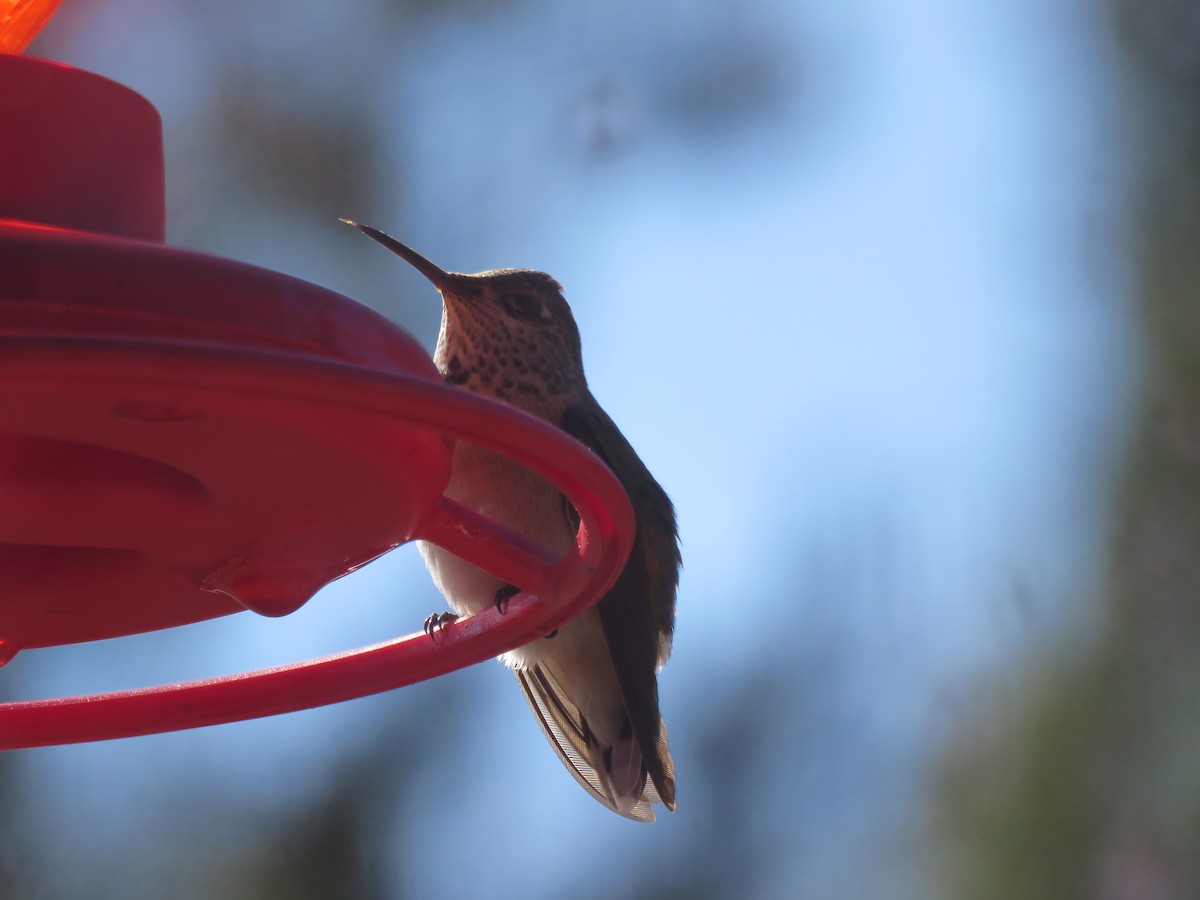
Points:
184	437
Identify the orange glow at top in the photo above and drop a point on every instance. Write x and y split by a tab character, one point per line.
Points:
21	20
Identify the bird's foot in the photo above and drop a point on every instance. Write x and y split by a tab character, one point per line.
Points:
438	621
503	595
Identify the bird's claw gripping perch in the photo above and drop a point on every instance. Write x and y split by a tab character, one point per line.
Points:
438	621
503	595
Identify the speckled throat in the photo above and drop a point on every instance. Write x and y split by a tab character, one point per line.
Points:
509	334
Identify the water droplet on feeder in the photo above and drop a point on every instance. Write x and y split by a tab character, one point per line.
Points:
274	591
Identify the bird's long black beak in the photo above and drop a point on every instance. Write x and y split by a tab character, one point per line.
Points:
440	277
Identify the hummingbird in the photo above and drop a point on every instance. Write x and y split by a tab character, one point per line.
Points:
592	684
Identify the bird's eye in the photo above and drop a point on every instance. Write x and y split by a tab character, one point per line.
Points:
522	306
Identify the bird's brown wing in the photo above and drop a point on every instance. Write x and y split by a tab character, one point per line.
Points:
638	612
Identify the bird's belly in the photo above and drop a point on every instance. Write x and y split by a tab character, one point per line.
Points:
508	495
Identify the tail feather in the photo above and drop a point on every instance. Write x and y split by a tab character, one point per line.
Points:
616	774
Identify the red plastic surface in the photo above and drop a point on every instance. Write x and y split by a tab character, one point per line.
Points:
183	485
183	436
78	150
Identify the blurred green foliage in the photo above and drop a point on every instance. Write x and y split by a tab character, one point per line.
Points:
1091	786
